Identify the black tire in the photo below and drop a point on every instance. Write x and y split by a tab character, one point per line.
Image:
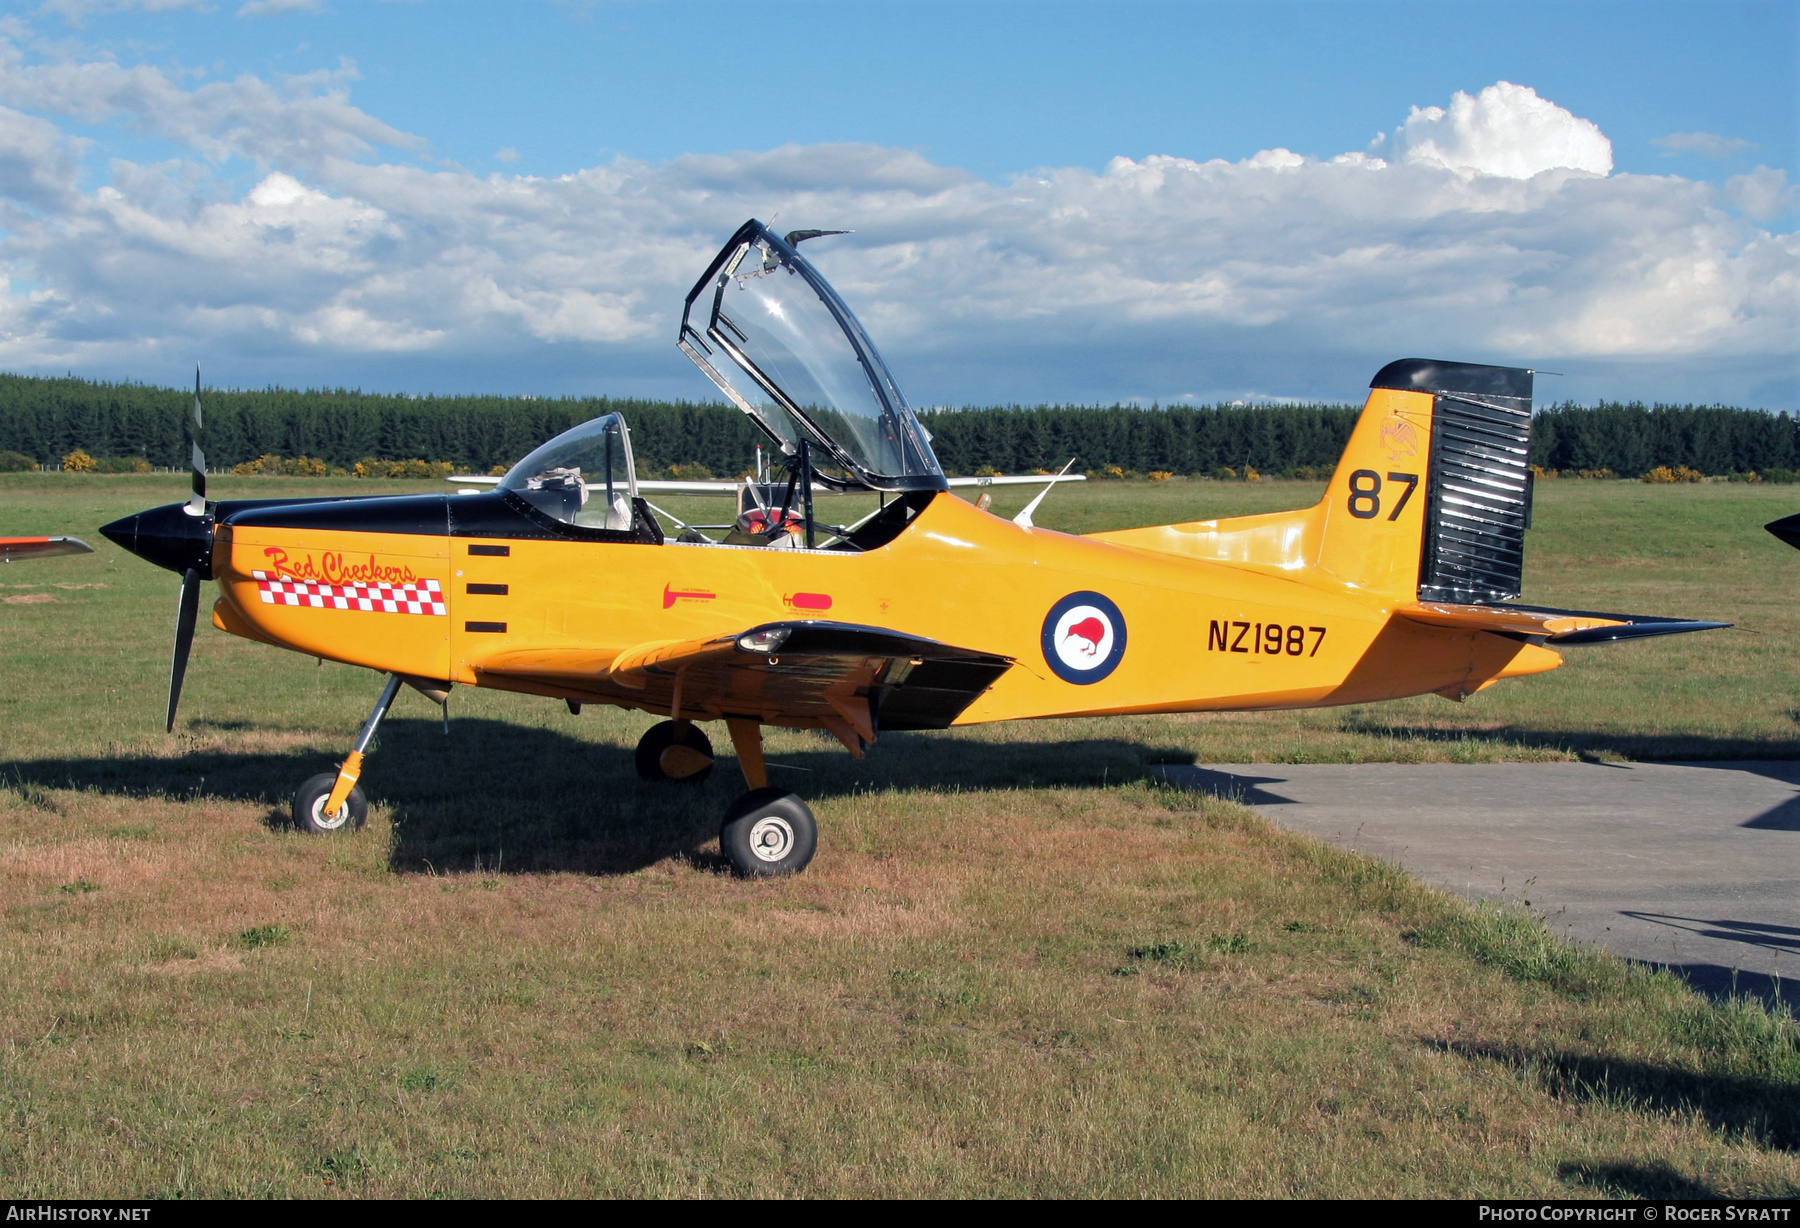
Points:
659	738
309	807
768	832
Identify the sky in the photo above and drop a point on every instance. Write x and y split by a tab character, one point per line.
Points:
1051	202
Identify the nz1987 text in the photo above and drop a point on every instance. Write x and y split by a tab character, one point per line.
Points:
1267	639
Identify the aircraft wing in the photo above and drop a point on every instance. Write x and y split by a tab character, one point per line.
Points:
1020	479
654	486
662	486
843	677
40	547
1553	625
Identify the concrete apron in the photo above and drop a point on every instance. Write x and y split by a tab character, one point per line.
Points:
1691	865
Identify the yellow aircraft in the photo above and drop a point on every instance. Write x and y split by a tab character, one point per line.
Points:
928	613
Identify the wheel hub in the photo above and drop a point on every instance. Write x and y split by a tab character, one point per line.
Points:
771	838
330	822
679	762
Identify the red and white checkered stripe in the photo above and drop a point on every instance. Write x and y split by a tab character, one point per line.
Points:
415	597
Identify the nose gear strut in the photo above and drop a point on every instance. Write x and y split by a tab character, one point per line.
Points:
345	800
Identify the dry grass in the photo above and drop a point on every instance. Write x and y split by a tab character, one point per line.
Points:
1017	966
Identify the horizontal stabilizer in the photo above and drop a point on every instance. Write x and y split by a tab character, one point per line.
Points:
1552	625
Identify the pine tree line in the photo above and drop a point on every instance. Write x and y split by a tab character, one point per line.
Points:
1182	439
1631	439
46	419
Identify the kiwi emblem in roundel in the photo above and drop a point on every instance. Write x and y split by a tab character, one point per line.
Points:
1084	638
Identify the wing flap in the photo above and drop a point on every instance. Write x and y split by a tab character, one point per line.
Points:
844	677
1553	626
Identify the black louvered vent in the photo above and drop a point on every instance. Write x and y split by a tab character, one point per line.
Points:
1477	498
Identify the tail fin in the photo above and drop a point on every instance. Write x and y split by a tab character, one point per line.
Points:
1429	500
1432	494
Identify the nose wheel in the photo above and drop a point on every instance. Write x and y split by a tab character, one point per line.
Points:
310	801
674	750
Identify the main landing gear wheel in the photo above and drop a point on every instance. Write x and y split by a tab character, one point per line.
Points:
768	832
309	807
674	750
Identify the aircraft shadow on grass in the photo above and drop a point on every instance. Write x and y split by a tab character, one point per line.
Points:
1774	759
1719	981
1628	1179
1761	1108
507	798
1236	786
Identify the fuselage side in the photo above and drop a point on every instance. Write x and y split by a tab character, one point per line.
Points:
1193	635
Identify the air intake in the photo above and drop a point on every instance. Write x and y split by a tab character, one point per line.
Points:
1478	492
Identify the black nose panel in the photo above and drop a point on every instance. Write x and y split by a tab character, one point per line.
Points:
168	537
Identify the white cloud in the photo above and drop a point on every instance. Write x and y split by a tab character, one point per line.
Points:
1504	130
273	8
38	165
1763	194
508	155
76	12
300	121
1706	144
1490	232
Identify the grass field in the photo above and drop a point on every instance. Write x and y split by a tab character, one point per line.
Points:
1018	966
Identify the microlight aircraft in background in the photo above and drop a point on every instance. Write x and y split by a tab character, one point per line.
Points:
19	548
926	614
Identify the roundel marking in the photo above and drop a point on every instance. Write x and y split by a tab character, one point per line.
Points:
1084	638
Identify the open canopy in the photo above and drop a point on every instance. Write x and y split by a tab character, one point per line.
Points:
776	338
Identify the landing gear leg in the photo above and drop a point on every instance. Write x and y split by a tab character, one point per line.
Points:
768	831
331	801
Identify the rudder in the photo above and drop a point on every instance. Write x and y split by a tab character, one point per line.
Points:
1431	496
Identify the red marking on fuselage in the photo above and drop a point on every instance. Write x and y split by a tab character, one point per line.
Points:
808	601
672	595
333	568
1090	629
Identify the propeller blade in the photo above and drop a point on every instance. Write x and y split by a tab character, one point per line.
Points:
185	613
197	501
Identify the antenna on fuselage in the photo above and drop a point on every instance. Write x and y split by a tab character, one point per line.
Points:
1023	519
794	238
